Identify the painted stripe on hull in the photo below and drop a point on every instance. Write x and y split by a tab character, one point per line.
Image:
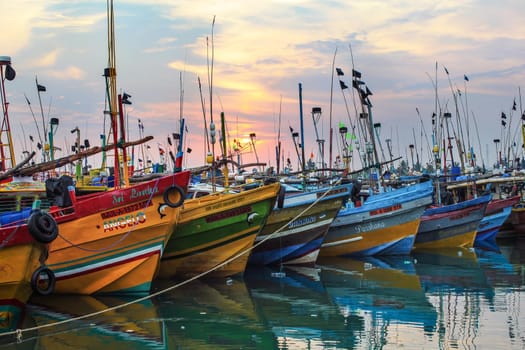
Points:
108	263
448	238
491	224
377	235
287	254
193	263
456	229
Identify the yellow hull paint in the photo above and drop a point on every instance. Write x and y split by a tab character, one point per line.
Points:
465	240
92	256
193	264
233	248
368	240
17	264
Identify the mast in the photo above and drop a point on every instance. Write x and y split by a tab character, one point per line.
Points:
6	73
110	74
303	161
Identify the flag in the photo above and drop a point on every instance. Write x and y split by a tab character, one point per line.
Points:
503	123
514	105
446	70
503	116
356	74
343	85
339	71
465	77
40	88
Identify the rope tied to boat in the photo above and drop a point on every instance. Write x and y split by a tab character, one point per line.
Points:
19	331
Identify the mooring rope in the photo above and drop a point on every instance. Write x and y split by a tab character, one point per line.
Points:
19	332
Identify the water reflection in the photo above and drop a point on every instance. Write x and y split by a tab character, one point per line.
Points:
453	298
464	285
384	292
294	305
212	315
136	326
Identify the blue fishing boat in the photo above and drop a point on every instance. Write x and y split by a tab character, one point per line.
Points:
297	226
385	223
452	225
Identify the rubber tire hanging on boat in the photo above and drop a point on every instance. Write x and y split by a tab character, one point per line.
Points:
42	227
174	190
36	277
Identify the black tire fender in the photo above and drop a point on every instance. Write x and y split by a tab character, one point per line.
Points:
174	196
42	227
40	274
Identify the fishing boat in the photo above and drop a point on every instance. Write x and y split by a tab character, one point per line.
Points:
297	226
25	237
504	198
385	223
110	241
24	234
452	225
215	233
497	213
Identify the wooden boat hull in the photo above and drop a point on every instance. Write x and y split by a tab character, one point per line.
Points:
491	224
216	232
517	218
381	226
294	233
112	241
20	258
453	225
17	265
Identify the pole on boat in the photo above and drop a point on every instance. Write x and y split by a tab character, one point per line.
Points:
7	73
223	131
295	136
39	89
78	165
122	140
303	161
178	158
316	116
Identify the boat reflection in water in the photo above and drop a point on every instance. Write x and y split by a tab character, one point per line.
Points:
385	292
136	326
476	293
209	314
434	299
294	305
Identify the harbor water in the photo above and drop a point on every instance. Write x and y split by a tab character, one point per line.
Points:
435	299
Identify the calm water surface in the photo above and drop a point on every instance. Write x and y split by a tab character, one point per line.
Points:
446	299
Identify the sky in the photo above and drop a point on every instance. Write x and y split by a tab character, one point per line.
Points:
254	55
